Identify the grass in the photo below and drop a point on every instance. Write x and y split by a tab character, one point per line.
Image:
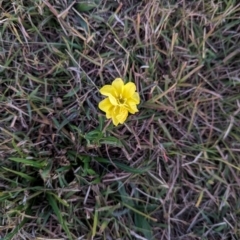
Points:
172	171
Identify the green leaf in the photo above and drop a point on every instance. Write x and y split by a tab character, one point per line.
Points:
136	211
21	154
72	92
95	223
32	163
93	135
32	95
4	196
113	141
124	166
23	175
63	202
143	226
64	122
85	7
91	172
124	195
56	210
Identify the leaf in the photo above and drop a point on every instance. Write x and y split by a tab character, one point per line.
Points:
32	95
32	163
124	166
64	122
139	212
111	141
23	175
85	7
72	92
143	226
56	210
91	172
4	196
124	195
95	223
93	135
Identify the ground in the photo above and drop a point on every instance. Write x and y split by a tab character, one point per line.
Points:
171	171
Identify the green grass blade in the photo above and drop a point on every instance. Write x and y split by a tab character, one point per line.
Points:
57	211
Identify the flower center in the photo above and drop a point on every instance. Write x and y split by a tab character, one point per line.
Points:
121	100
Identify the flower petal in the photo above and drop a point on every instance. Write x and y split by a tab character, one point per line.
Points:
132	108
135	98
115	121
115	112
122	115
113	100
110	112
105	105
107	90
118	84
129	90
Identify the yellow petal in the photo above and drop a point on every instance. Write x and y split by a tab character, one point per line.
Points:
129	90
107	90
105	105
113	100
115	120
118	84
132	108
110	112
135	98
114	116
122	115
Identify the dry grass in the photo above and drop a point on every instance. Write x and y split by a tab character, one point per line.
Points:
171	171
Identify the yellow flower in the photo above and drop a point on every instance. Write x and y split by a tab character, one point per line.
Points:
120	100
